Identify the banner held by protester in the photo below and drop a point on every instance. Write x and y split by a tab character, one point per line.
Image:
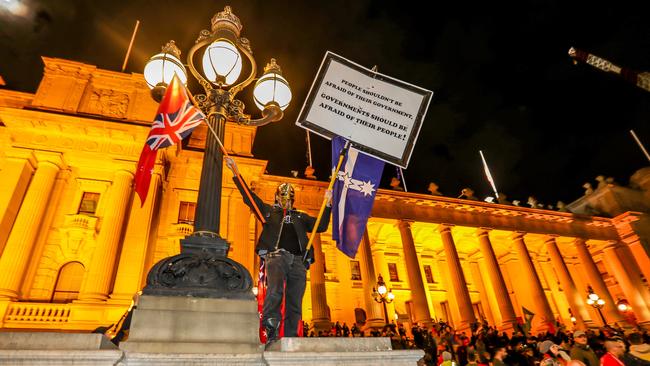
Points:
380	115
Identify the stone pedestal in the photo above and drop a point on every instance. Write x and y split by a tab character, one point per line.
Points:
191	325
339	351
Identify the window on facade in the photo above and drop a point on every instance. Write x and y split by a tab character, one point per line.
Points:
428	274
355	270
392	272
68	282
88	203
186	213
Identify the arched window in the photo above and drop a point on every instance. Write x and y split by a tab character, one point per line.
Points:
68	282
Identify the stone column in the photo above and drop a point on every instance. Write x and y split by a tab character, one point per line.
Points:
319	318
624	226
99	273
374	311
630	281
574	297
596	281
530	276
17	253
130	270
477	276
457	279
418	295
508	317
16	173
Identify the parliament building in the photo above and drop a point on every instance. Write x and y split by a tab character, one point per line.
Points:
76	245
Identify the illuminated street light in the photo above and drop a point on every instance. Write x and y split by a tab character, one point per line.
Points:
596	302
221	53
383	295
623	306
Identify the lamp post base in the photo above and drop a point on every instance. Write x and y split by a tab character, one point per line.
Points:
202	269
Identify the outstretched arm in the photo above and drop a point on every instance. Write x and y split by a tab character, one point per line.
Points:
243	187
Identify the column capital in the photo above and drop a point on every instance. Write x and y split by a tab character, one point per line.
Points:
22	154
550	238
483	231
612	244
445	227
517	235
404	224
54	158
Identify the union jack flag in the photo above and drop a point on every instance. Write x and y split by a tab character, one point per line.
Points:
171	127
175	120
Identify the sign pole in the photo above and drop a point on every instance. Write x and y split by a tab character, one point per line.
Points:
335	174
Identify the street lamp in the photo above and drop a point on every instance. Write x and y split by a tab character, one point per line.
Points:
203	268
573	318
595	301
623	305
383	295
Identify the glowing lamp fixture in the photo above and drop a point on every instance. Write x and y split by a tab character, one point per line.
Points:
222	62
381	290
160	69
272	88
623	305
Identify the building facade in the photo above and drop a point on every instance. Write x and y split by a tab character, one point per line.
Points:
76	245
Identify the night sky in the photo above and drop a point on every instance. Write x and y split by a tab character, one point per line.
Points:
502	80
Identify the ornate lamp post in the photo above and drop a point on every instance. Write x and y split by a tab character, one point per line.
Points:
383	295
595	301
202	268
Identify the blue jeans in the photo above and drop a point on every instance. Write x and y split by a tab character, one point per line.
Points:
284	271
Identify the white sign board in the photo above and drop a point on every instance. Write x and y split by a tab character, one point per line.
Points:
380	115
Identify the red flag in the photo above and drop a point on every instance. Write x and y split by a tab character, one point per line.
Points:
261	293
175	120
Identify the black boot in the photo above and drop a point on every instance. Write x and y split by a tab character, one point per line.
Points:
272	327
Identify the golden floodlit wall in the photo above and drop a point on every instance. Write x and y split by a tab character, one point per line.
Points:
76	244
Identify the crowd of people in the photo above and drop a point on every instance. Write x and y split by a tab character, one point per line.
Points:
484	345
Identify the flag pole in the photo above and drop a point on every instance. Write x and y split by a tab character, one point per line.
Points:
401	175
640	145
128	51
335	174
489	176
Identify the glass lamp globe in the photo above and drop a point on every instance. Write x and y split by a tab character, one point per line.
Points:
381	289
600	302
272	88
590	301
222	62
593	297
622	307
162	67
390	296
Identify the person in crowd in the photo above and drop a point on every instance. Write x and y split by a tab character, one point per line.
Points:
581	350
615	350
499	354
638	350
550	354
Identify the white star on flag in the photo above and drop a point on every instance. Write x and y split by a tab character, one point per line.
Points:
367	188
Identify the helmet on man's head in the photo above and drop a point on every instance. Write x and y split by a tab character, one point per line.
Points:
284	193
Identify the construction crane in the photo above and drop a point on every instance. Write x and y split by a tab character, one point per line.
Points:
642	80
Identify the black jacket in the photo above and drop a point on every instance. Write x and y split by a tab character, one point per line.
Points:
271	230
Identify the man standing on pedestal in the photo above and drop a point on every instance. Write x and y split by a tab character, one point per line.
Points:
282	245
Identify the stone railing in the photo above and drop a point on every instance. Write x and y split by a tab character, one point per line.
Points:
79	221
37	312
182	229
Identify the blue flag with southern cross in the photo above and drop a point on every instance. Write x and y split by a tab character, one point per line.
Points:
353	196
